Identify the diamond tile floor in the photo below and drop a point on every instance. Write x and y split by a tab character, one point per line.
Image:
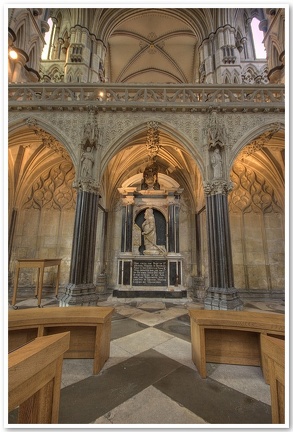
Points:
150	378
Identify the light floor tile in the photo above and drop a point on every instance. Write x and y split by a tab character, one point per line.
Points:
142	340
151	305
155	318
150	407
246	379
125	310
177	349
117	355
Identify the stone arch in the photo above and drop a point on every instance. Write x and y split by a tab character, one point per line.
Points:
250	136
48	127
191	177
42	199
256	208
125	138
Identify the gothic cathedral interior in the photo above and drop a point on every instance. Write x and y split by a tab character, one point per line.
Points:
146	150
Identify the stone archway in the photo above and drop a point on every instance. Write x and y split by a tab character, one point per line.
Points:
41	200
257	211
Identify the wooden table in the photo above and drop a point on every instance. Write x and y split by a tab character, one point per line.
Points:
40	264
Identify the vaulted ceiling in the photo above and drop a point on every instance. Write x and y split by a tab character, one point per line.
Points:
152	48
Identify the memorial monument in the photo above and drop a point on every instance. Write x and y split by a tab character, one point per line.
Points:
150	261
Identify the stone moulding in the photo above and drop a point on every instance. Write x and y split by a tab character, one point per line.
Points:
189	98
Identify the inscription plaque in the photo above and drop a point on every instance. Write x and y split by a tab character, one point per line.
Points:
148	272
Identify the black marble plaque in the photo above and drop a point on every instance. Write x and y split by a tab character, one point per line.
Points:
149	273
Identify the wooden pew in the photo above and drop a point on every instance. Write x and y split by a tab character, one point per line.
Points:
273	353
89	326
231	337
34	379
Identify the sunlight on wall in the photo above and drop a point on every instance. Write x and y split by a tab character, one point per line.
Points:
258	38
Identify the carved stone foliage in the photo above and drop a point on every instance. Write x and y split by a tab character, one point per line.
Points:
261	141
251	192
216	187
53	190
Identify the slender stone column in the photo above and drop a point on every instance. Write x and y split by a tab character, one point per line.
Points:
221	293
81	289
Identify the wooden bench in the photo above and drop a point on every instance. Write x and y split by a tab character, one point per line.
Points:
231	337
273	353
89	326
34	379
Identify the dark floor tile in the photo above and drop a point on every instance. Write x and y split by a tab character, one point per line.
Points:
176	327
184	318
93	397
211	400
129	326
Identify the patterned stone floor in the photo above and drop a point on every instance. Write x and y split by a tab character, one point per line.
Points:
150	378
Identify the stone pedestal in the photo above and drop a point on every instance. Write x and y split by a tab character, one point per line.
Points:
79	295
222	299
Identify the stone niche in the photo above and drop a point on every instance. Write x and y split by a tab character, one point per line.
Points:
150	259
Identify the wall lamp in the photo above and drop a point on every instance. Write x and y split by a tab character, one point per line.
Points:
13	53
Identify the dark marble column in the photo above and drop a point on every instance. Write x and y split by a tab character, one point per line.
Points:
173	228
127	222
81	289
221	293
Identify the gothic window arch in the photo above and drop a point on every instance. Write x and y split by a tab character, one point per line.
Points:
257	36
48	41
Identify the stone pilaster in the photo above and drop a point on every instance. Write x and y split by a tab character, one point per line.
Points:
221	294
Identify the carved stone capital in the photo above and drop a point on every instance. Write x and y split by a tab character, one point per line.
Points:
87	185
216	187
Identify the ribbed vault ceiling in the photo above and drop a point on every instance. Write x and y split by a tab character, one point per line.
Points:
152	48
